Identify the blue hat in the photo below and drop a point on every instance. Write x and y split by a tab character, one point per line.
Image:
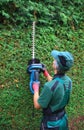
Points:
64	59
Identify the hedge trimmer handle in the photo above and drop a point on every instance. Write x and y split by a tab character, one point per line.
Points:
34	71
34	77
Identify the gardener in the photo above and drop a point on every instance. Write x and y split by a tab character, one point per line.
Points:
55	94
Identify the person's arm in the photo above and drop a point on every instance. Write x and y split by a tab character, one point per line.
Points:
47	75
36	89
36	95
35	99
43	100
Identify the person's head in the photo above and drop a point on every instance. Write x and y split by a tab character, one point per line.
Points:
63	61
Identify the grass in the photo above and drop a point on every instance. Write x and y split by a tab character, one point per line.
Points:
16	100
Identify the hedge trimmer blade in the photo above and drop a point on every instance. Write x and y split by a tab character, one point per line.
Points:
33	40
33	60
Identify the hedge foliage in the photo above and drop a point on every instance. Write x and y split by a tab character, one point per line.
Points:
16	100
23	12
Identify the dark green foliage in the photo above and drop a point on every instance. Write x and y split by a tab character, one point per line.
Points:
23	12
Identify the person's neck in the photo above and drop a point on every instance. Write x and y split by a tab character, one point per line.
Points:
56	73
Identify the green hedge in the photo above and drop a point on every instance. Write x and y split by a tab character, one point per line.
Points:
16	100
23	12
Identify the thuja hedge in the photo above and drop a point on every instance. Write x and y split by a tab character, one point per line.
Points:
23	12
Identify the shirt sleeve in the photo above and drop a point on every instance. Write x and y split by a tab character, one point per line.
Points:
45	97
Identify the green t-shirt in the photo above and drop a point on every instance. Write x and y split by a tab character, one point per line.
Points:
56	93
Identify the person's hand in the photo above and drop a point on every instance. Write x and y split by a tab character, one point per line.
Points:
36	86
44	70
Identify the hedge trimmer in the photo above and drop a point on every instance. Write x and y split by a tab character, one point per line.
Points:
34	66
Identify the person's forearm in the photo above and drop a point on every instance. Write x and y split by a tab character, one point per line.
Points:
47	75
36	96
